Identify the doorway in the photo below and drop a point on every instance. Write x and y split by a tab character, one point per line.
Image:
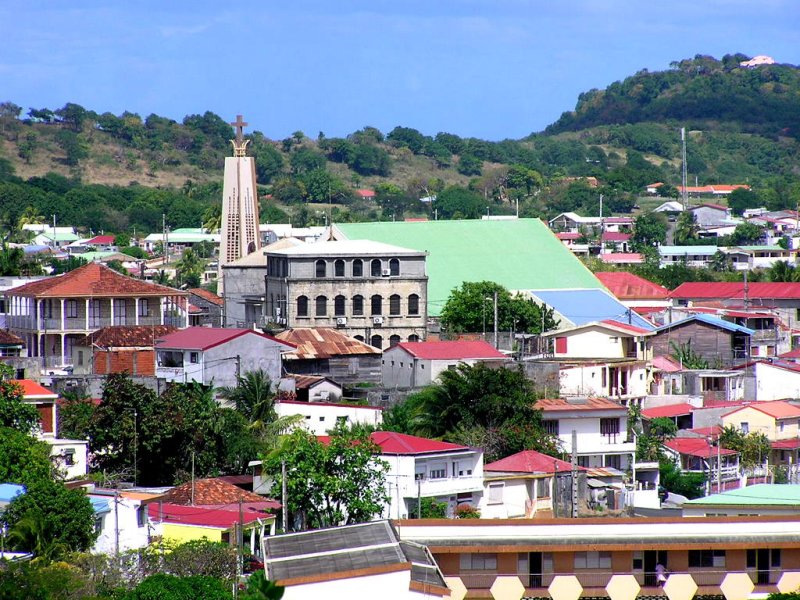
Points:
651	559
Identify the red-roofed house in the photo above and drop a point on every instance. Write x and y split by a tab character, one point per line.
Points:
601	427
417	364
634	291
680	414
521	485
216	356
52	313
118	349
208	308
778	420
703	455
423	468
366	194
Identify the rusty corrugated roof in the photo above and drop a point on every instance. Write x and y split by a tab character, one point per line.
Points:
126	336
322	342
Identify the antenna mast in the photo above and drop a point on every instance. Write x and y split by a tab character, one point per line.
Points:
684	177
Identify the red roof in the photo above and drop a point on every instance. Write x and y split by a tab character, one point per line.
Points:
791	354
205	338
627	286
667	364
530	461
627	327
90	280
366	193
735	290
615	236
392	442
9	339
33	391
206	295
204	516
696	447
455	350
126	336
583	404
568	235
671	410
777	409
792	444
100	240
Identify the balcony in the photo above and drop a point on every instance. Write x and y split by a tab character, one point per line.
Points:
445	486
170	373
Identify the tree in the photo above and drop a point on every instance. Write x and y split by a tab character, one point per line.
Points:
305	160
746	233
162	586
26	149
73	115
471	308
429	508
341	481
253	396
261	588
23	458
685	228
687	357
75	412
15	413
754	447
50	519
455	202
649	446
189	269
741	199
650	229
782	271
73	146
370	160
495	406
469	165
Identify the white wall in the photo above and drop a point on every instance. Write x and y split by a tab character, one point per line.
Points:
131	535
79	450
387	586
773	383
320	416
519	498
587	380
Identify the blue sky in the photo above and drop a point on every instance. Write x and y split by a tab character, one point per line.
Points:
487	68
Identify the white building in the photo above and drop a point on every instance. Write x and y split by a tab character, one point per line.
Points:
125	525
320	417
417	364
601	427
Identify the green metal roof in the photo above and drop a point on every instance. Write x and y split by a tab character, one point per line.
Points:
520	254
761	494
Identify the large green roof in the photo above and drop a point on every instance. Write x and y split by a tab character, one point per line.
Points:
760	494
520	254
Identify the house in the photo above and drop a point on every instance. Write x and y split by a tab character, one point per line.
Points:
670	206
777	420
98	243
718	342
372	291
52	314
602	339
634	291
331	353
417	364
582	557
762	499
55	237
614	241
353	561
757	61
522	486
209	305
704	455
581	306
601	426
320	416
311	388
118	349
217	356
770	379
706	215
273	232
212	509
70	457
180	238
423	468
125	525
366	194
475	250
570	221
680	414
622	258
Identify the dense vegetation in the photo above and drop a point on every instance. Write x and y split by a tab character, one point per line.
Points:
127	173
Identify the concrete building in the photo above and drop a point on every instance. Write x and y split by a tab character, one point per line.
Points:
118	349
124	526
215	356
374	292
762	499
321	417
417	364
205	308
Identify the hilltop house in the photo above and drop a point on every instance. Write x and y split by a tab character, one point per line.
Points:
52	314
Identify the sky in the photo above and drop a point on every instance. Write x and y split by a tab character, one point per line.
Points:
492	69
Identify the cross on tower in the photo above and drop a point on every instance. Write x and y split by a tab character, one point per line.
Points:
239	125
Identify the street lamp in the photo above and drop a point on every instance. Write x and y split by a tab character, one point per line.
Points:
485	300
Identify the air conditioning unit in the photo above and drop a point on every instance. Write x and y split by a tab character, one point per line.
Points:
377	320
386	272
341	321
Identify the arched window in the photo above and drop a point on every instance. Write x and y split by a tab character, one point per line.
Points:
360	338
338	268
302	306
375	267
338	306
376	304
358	268
394	340
394	267
377	342
413	337
322	306
358	305
413	304
394	304
320	268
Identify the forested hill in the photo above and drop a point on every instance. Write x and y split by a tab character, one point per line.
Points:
700	92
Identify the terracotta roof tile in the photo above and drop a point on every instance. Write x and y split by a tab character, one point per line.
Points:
9	339
90	280
126	336
206	295
322	342
208	491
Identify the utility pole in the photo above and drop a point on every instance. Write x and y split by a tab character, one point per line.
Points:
495	320
419	498
574	461
192	478
239	549
116	523
284	498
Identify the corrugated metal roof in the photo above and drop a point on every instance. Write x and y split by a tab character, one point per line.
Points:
583	306
627	286
708	320
583	404
671	410
126	336
322	342
203	338
529	461
723	290
452	350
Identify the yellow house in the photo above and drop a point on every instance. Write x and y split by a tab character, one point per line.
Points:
778	420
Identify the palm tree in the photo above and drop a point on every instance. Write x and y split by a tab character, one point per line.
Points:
782	271
30	216
212	218
189	268
31	534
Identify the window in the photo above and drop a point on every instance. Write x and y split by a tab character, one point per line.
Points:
394	267
338	306
69	457
745	427
609	427
194	357
376	304
542	488
394	304
358	305
437	472
593	560
413	304
144	307
613	461
376	341
375	267
321	306
496	493
706	558
72	309
302	306
413	337
358	268
141	515
320	268
478	562
338	268
550	426
393	341
80	357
